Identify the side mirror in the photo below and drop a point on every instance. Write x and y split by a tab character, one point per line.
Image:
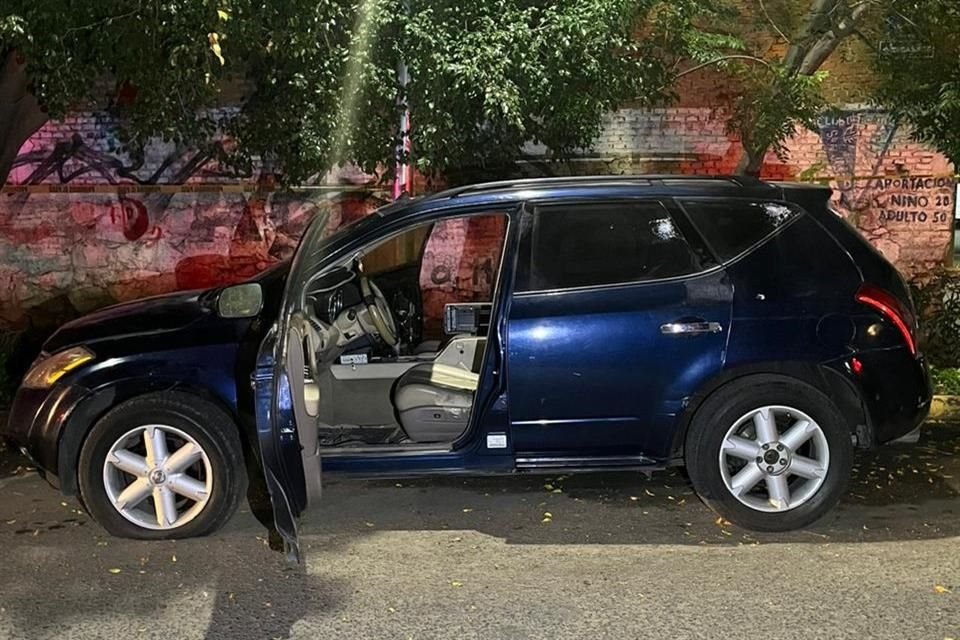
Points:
240	301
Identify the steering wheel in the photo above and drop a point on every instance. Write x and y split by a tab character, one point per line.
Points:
379	311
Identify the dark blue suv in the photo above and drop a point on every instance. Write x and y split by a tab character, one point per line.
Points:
737	327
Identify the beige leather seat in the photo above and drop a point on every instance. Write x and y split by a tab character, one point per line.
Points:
434	400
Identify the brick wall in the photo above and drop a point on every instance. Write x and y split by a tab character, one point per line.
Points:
125	231
898	193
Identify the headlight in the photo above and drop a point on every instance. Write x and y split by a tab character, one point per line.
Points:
48	370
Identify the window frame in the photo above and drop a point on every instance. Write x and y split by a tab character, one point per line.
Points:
796	208
690	234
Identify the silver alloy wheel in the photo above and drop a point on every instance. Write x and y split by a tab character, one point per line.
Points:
157	477
780	447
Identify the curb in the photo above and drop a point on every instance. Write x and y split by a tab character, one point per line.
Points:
944	410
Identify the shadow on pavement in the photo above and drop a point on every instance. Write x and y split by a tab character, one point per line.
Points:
59	568
899	492
63	567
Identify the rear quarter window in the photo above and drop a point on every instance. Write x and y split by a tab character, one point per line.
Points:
731	227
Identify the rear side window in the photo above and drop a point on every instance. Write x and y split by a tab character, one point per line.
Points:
580	245
731	227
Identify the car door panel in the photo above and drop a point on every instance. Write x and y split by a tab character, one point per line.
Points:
592	371
605	369
288	447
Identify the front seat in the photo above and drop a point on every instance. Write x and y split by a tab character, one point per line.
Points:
433	401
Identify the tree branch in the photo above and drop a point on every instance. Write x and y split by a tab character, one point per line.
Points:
107	20
20	114
723	59
773	24
800	45
826	45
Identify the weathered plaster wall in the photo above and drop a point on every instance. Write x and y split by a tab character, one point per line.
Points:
81	225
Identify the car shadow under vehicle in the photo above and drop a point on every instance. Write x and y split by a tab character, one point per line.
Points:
897	492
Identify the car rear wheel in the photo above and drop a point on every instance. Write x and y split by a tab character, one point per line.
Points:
164	465
769	453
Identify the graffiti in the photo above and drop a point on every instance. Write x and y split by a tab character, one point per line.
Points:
855	142
73	159
133	218
440	274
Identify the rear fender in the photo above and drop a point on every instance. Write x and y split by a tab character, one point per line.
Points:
826	380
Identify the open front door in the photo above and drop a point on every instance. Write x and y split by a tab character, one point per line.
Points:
288	442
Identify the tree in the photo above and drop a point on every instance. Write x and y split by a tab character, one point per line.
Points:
777	77
919	70
317	80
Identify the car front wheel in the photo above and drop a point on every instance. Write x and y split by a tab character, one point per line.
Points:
164	465
769	453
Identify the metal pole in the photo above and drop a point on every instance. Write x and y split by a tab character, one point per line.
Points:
402	180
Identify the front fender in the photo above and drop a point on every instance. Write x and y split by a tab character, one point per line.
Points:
62	426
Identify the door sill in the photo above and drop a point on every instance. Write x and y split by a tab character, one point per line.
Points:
393	450
526	462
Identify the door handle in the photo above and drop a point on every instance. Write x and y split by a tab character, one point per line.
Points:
690	328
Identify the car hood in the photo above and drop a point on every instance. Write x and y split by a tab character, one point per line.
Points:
164	315
158	314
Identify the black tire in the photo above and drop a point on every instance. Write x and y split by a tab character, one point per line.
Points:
210	426
719	413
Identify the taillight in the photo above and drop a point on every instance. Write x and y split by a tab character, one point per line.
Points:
891	309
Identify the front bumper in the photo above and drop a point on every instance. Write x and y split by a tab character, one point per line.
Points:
36	422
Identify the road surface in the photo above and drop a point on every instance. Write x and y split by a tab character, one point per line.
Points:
590	556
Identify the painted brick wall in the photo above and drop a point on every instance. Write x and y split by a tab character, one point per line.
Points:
898	193
65	253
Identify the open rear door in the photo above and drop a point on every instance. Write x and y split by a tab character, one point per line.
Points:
288	442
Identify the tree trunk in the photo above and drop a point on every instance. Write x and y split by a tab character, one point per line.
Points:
814	43
750	164
20	113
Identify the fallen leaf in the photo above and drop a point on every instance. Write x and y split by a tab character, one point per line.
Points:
213	39
114	571
173	558
369	524
939	588
467	510
548	487
721	522
649	493
456	584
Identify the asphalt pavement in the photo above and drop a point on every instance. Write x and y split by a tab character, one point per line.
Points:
593	556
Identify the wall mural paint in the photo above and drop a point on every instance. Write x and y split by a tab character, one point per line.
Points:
112	228
896	192
68	253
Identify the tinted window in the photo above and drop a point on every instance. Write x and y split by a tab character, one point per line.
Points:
731	226
582	245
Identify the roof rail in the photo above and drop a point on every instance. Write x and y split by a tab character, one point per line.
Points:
740	181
